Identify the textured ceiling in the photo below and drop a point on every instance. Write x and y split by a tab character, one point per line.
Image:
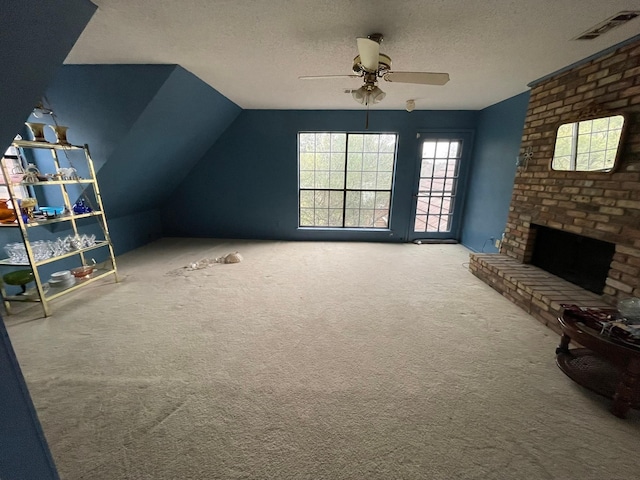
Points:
253	51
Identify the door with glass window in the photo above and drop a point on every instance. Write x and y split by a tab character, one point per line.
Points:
437	199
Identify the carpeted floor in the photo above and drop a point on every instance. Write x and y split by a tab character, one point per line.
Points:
309	360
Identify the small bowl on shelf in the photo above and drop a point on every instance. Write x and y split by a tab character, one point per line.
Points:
83	272
62	284
51	212
61	275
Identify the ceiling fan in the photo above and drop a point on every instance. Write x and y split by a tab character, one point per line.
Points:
371	65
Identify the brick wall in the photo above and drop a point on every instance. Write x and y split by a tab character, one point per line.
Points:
597	205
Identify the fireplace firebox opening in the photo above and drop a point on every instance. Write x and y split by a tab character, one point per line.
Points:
580	260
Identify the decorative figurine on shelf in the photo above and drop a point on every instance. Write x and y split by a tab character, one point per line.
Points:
27	206
67	174
33	175
61	134
17	174
7	214
80	207
37	131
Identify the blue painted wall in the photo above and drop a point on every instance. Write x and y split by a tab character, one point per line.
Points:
175	129
36	38
493	170
130	231
246	185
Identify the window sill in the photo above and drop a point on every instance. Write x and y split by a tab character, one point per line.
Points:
340	229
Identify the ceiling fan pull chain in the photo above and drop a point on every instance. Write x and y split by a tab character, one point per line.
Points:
366	122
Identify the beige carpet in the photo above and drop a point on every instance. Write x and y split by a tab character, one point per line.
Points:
309	360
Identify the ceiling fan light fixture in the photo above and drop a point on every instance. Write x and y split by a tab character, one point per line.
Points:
359	94
376	95
367	95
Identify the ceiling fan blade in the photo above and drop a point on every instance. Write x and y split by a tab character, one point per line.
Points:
422	78
321	77
369	51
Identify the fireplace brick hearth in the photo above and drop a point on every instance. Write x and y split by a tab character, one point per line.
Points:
531	288
602	206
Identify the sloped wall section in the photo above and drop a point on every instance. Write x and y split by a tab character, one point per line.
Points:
101	103
180	123
36	38
146	126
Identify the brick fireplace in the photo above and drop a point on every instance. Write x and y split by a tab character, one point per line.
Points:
599	206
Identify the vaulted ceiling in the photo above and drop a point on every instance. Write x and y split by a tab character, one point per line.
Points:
253	51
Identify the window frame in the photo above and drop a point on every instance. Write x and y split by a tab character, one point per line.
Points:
344	190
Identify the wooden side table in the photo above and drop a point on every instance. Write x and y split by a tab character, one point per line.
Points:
608	365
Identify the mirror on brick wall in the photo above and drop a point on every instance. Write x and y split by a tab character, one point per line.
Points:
591	145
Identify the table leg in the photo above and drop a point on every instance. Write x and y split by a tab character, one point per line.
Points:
7	304
564	344
626	387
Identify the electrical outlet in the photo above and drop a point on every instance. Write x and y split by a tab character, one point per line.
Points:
497	243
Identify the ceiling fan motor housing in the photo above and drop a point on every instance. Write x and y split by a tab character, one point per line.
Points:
384	65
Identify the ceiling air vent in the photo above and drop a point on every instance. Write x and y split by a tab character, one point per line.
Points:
609	24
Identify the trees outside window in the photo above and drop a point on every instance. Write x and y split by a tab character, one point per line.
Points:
346	179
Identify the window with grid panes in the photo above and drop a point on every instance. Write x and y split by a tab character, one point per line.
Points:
589	145
346	179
